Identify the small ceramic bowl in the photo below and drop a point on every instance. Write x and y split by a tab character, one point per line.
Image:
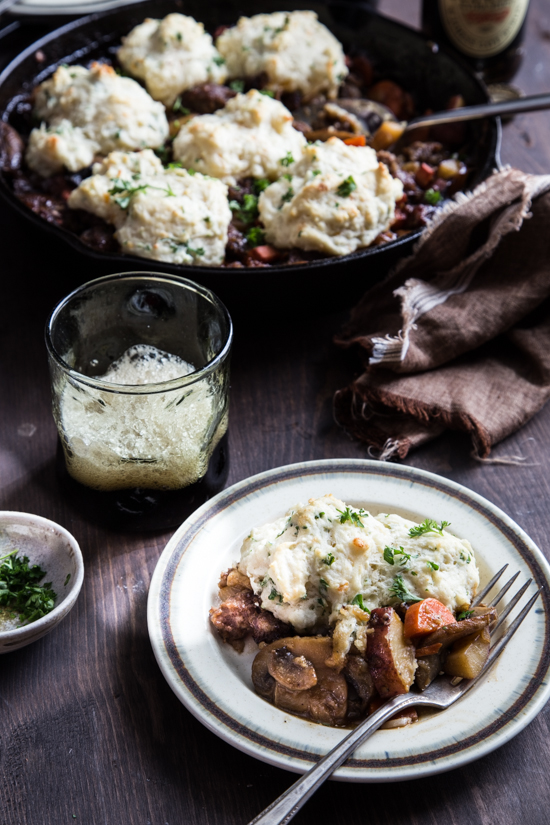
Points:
57	552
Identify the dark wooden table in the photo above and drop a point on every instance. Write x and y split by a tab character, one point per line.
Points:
89	731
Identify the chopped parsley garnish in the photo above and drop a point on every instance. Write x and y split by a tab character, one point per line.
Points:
388	555
275	595
432	196
320	515
260	185
20	591
219	60
247	211
267	92
176	164
287	525
400	591
175	246
316	172
323	583
391	552
358	600
283	27
287	176
237	86
329	558
178	107
428	526
123	191
464	615
347	187
463	558
433	565
67	580
287	160
255	236
353	517
289	194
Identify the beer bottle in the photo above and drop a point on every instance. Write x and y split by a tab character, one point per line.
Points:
487	33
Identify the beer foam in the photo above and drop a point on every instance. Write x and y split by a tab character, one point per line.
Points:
160	440
144	364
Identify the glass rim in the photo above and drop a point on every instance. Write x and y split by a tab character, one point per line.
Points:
140	389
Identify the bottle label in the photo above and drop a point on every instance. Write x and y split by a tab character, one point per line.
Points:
482	28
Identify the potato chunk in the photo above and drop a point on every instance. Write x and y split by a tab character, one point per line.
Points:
391	658
468	655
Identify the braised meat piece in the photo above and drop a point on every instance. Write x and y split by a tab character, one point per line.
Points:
357	673
266	627
425	152
240	615
390	160
236	243
412	216
49	208
206	98
100	237
233	618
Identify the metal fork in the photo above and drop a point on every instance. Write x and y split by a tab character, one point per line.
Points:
440	694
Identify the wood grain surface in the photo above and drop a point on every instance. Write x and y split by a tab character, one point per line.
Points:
89	731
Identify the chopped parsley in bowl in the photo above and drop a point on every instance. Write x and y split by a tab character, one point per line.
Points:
41	573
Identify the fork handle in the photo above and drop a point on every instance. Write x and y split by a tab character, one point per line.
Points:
289	803
533	103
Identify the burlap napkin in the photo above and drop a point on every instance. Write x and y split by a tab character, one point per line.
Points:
458	335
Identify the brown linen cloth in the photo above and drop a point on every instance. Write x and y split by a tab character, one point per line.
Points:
458	335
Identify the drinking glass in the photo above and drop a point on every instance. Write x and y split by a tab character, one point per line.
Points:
139	366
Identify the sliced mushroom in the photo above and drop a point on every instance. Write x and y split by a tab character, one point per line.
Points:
369	113
341	115
292	672
325	702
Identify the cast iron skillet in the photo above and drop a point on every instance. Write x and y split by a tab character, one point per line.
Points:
398	53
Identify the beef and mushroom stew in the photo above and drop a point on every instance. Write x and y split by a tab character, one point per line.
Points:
349	609
264	144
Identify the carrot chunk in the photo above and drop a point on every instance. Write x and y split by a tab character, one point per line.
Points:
356	140
426	616
428	651
264	253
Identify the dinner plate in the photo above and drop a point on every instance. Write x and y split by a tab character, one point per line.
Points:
214	682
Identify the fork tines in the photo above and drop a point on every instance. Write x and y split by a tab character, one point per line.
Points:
497	649
479	598
505	638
